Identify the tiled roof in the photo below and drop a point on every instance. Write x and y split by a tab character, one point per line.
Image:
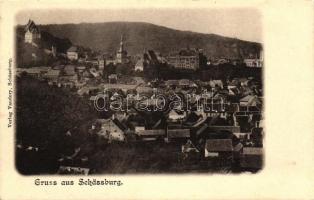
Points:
69	70
252	151
154	132
238	147
72	49
218	145
53	72
178	133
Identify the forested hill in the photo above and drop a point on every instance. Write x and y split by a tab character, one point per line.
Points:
138	36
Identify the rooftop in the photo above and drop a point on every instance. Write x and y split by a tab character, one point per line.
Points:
72	49
220	145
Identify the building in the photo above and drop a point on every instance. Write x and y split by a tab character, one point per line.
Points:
69	70
101	64
189	147
254	62
176	115
72	53
250	100
122	53
257	137
153	134
36	72
190	154
233	129
252	158
112	129
73	170
219	148
113	78
52	75
32	32
139	66
177	134
185	59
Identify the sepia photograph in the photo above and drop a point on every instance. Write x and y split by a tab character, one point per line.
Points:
139	91
137	99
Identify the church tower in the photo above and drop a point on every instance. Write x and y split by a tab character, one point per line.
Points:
32	33
122	53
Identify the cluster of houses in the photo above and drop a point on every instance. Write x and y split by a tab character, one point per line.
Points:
211	138
64	75
232	131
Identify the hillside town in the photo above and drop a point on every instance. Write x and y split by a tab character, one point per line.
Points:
179	108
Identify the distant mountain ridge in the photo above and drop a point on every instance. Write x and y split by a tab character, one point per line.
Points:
139	36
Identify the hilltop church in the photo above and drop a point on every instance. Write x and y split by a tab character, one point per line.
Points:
32	33
36	46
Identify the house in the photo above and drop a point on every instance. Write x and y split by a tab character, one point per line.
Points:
172	83
192	118
177	134
93	98
73	170
72	53
253	62
186	83
154	133
257	137
176	115
219	148
252	158
52	74
233	129
250	100
81	68
139	128
190	153
139	80
94	72
36	72
101	64
113	78
69	70
242	136
112	129
110	61
69	79
215	83
185	59
87	75
189	147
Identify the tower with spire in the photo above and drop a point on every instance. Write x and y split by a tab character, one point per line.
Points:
122	53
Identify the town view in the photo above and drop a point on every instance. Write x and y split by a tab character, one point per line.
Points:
136	98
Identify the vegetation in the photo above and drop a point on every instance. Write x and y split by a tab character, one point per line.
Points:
44	115
138	36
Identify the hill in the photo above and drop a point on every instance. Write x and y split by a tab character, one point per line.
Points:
25	52
106	37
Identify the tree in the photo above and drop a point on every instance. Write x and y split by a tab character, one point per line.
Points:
44	114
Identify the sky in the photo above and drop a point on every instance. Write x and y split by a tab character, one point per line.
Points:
244	23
